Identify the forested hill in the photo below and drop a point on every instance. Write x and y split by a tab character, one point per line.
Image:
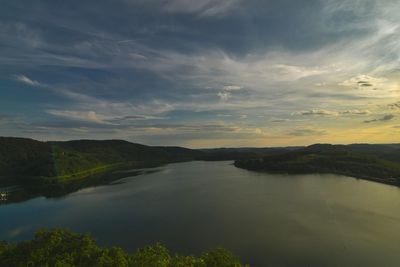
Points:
25	159
373	162
22	158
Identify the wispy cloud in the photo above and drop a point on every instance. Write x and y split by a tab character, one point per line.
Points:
24	79
232	87
90	116
317	112
382	119
91	109
355	112
276	120
306	132
200	7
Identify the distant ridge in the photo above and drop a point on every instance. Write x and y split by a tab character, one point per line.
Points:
379	162
25	160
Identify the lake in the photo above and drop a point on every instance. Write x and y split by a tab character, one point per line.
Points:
265	219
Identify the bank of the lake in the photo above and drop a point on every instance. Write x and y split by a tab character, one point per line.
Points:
379	163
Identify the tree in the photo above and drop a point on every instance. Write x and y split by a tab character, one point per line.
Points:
63	248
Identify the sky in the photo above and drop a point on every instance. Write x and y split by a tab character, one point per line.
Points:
204	73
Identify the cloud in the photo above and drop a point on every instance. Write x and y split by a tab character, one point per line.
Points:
306	132
225	115
201	128
224	96
136	55
103	111
364	84
395	105
297	72
323	112
355	112
279	120
138	117
22	34
27	80
203	8
364	81
88	116
316	112
258	131
12	121
383	119
320	84
4	119
232	87
94	117
182	61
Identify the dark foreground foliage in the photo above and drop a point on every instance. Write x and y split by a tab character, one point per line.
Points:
62	248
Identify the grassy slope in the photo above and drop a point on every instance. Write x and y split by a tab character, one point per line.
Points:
30	160
373	162
76	158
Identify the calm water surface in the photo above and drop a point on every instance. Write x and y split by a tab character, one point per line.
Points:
267	220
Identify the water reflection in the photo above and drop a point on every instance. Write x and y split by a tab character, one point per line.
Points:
17	193
269	220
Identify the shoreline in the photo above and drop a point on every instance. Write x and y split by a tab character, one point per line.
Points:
387	181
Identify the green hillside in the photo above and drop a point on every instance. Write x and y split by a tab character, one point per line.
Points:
28	160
